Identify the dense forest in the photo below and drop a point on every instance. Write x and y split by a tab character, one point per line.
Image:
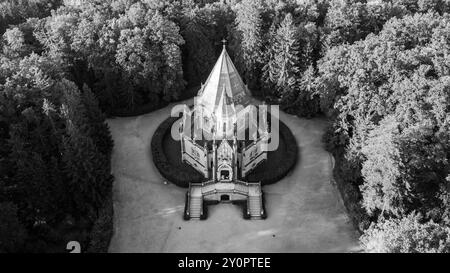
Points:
378	70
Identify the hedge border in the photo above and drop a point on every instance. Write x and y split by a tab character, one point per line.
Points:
276	173
165	168
179	177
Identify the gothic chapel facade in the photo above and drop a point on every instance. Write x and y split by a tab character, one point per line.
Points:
224	139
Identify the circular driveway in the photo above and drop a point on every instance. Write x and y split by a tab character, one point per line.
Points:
305	212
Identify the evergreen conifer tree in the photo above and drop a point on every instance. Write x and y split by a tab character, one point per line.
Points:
282	70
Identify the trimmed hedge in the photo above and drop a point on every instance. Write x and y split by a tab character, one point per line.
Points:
179	177
182	176
281	168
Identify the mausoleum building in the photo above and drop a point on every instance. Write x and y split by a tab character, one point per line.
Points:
224	137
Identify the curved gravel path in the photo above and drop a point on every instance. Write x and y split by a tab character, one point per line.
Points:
305	212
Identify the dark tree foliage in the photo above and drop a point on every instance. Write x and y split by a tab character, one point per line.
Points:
86	166
38	192
12	232
203	28
407	235
389	97
248	39
127	52
379	70
13	12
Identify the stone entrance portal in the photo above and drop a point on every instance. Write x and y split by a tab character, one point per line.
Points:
224	175
224	198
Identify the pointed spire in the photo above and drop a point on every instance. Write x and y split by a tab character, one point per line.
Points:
223	78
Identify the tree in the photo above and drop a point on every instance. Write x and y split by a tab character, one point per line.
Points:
356	81
248	39
198	50
98	129
405	169
12	232
166	34
390	110
45	155
14	43
440	6
37	193
406	235
15	12
219	19
127	53
306	104
282	70
86	167
345	22
383	188
350	21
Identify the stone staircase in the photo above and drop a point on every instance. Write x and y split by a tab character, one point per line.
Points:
254	202
195	209
195	202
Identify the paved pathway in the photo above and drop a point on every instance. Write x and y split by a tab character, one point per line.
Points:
305	212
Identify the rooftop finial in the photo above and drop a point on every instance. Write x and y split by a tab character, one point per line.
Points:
224	42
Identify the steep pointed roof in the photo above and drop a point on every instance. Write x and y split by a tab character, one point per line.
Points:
225	107
223	78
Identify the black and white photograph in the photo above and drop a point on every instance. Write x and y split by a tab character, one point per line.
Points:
228	127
